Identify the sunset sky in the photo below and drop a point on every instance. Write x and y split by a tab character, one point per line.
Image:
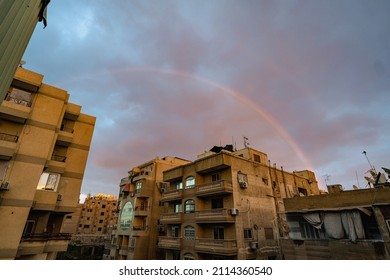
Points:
307	82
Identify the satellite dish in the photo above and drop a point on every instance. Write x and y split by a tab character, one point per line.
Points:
21	63
355	187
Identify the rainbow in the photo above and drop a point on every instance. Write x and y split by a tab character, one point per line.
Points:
224	89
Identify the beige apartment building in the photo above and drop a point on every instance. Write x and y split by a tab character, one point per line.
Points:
227	204
90	225
44	146
136	235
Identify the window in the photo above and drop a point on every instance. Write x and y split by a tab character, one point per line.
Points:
265	181
138	186
190	182
175	231
29	227
48	181
100	221
179	185
3	169
247	233
189	206
219	233
189	233
216	203
68	217
215	177
103	206
126	217
175	255
177	208
256	158
269	233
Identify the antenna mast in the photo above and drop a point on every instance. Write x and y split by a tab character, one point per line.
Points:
372	167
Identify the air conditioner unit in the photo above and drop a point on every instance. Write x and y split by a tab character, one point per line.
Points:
254	245
59	197
234	211
163	187
5	186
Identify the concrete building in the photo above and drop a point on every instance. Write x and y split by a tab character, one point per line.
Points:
340	225
98	213
90	225
44	146
17	20
227	205
138	227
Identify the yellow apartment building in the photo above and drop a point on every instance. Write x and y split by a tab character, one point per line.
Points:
98	213
136	235
44	146
227	204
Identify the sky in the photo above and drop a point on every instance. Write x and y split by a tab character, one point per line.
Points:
307	82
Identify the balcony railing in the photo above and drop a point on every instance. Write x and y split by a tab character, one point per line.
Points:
218	187
19	101
66	129
167	218
46	236
217	246
9	137
58	158
168	242
172	194
214	215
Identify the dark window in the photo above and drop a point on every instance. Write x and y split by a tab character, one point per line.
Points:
189	206
269	233
217	203
248	233
256	158
215	177
219	233
29	227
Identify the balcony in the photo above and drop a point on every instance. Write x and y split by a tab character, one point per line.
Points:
168	242
15	110
214	216
227	247
141	211
65	136
43	243
56	164
139	231
171	218
214	188
142	175
7	145
172	195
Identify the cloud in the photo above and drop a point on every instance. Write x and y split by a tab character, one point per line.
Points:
179	77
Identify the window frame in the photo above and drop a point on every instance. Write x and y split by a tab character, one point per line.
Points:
190	182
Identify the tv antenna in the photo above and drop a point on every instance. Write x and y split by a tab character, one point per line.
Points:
246	142
327	178
372	167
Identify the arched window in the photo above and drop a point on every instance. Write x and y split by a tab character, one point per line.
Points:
190	182
189	206
189	233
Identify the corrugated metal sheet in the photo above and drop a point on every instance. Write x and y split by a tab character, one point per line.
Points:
17	23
